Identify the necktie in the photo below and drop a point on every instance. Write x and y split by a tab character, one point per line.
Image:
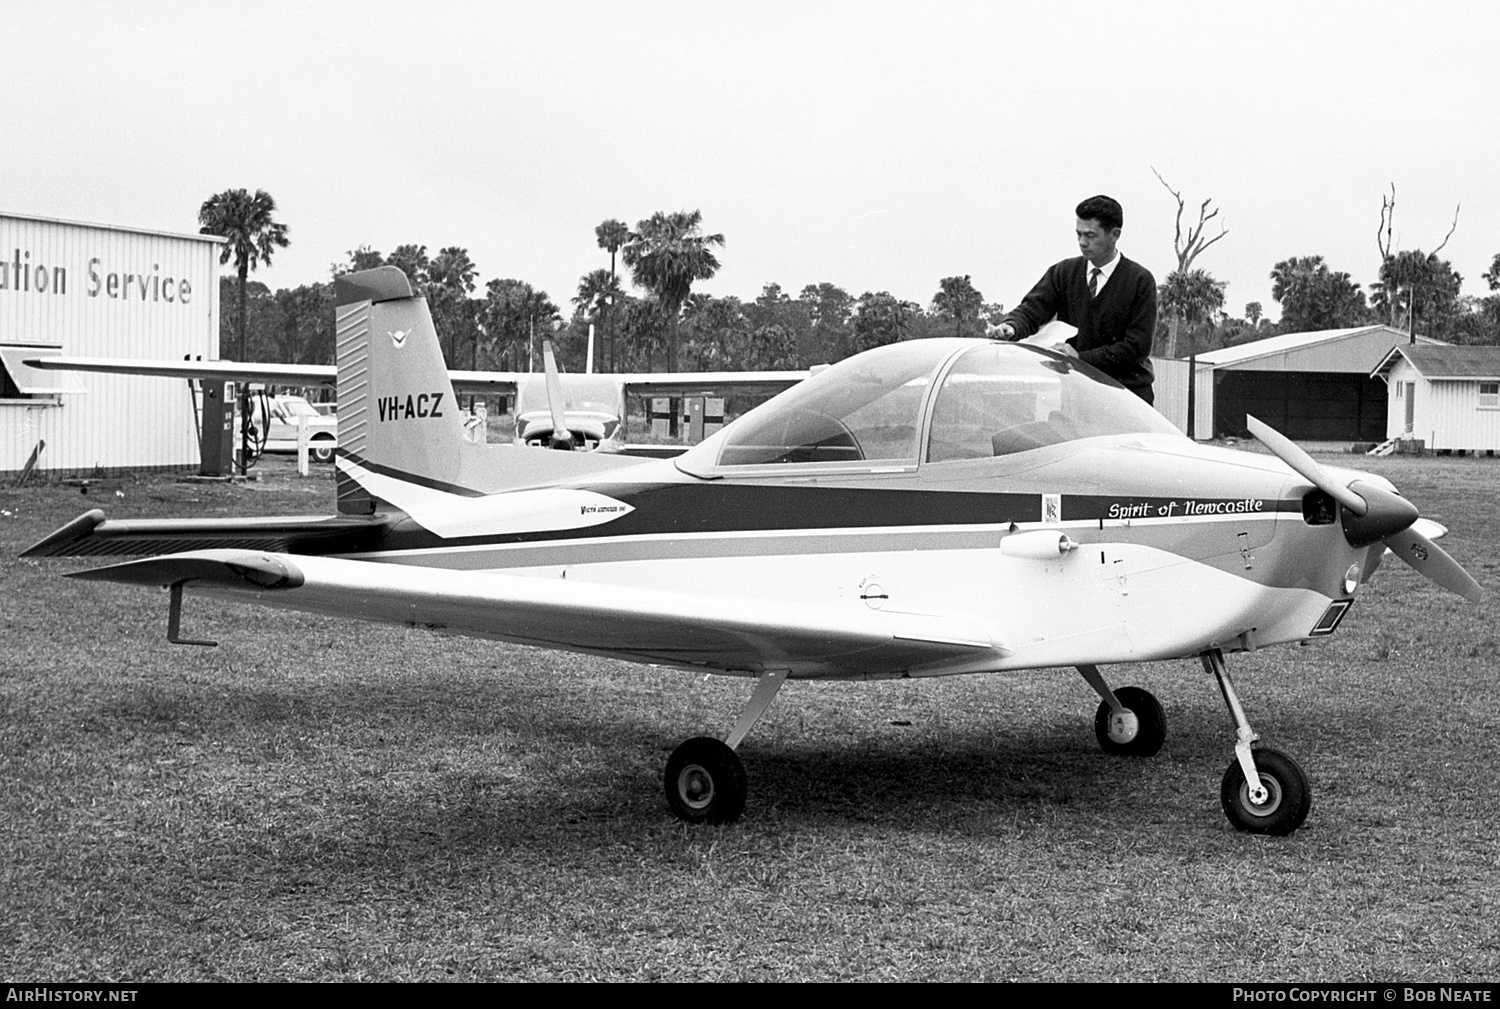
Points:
1094	282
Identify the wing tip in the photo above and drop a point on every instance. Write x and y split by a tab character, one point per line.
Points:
58	543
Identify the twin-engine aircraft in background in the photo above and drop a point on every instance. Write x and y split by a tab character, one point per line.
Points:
927	508
593	404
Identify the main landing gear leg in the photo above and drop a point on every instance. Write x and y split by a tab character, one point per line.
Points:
705	780
1264	791
1130	721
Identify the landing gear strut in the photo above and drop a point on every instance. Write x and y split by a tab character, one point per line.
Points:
1264	791
705	781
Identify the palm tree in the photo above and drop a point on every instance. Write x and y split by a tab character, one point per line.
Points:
958	300
450	281
1192	297
612	236
512	310
597	290
411	260
665	255
251	233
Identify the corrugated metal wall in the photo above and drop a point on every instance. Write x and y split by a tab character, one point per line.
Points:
99	291
1171	392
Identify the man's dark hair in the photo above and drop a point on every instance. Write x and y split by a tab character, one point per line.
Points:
1103	209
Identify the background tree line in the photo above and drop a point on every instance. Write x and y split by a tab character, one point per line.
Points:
1413	289
670	327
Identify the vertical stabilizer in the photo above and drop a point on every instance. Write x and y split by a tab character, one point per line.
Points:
401	432
398	415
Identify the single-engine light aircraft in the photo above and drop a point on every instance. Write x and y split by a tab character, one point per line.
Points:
928	508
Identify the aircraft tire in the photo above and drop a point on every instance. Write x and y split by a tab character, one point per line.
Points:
1149	732
1286	805
705	782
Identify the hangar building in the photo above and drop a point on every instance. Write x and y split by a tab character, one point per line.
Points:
1315	386
96	290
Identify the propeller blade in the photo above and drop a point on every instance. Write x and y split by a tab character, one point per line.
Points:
1305	465
561	436
1433	562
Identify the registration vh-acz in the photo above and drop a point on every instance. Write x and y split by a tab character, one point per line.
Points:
928	508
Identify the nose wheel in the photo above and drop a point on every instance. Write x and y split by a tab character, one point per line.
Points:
1264	791
1281	803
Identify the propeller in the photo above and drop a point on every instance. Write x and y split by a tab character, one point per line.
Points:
562	438
1373	514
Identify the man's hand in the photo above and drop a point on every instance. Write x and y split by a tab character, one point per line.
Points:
1006	331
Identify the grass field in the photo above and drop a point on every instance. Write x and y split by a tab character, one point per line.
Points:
317	800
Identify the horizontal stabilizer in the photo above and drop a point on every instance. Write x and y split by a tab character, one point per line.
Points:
92	535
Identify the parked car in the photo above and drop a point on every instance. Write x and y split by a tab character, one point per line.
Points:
281	432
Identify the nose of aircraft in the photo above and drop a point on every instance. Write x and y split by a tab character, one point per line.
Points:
1371	514
1385	514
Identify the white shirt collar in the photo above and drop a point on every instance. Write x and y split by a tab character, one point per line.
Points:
1106	270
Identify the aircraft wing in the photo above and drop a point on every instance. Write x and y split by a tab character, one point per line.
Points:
227	371
482	383
708	383
465	382
694	629
701	383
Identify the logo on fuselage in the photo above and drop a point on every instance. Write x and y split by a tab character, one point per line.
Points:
420	406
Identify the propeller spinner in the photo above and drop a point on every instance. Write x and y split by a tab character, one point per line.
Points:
1372	514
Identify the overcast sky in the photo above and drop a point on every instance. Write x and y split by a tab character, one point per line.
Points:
878	146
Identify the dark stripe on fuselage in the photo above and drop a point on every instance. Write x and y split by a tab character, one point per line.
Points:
684	509
414	478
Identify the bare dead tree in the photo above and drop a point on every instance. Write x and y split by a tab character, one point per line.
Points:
1384	241
1383	233
1188	250
1387	220
1454	227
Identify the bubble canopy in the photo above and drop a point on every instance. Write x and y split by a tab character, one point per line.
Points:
929	401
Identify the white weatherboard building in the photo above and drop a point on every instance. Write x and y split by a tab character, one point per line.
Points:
95	290
1447	397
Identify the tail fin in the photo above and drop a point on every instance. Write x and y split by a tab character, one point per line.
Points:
401	432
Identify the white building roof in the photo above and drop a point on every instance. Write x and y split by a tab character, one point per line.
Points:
1439	364
1285	343
113	227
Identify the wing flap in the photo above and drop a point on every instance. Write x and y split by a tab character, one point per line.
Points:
652	625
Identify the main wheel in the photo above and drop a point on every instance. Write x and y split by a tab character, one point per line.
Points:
705	782
1288	796
1136	732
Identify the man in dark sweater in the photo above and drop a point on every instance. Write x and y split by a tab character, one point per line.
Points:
1111	301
